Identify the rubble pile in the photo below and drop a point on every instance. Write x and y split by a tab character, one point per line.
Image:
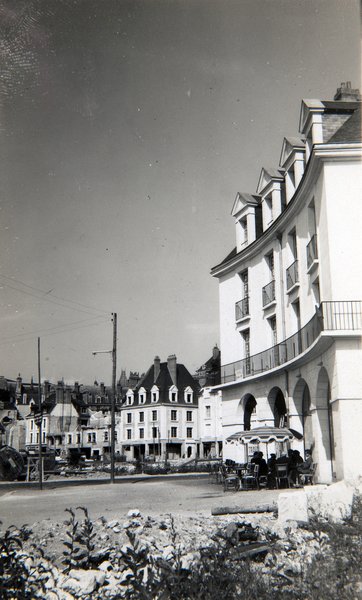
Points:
280	554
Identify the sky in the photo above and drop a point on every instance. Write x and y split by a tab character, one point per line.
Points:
127	128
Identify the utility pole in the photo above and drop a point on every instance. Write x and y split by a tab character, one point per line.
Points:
40	422
113	399
113	405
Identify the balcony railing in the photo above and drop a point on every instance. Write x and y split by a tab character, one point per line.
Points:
292	275
242	309
312	251
268	293
331	316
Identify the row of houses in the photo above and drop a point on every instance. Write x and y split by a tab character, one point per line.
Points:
167	413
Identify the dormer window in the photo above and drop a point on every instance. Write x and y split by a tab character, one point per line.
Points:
142	396
129	398
188	395
173	394
155	394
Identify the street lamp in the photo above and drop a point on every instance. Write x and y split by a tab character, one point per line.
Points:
113	399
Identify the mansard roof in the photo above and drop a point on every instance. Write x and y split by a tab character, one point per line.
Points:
324	106
164	382
351	130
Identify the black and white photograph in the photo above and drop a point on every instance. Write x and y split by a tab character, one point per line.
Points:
180	300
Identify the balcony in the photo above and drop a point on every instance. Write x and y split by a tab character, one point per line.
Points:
292	276
242	309
331	316
312	252
268	292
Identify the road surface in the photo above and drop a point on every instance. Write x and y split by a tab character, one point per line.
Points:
183	496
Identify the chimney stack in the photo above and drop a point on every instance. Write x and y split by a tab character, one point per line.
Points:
172	367
345	93
156	368
215	352
46	387
59	392
68	395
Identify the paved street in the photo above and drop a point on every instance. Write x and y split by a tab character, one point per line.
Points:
184	496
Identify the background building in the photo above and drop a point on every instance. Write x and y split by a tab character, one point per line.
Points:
159	416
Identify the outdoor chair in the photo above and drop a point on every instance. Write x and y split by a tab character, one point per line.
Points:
308	478
250	480
281	475
231	482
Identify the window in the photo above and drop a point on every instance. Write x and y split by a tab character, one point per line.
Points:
154	432
129	434
78	438
173	415
31	424
142	395
154	393
94	438
244	231
105	436
270	263
293	243
173	432
188	395
115	436
142	417
44	434
69	439
246	343
44	423
154	415
189	415
31	438
89	438
189	432
172	394
83	411
208	412
273	327
142	433
129	417
129	400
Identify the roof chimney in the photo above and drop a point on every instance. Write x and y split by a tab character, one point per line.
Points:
172	366
215	352
345	93
59	392
156	368
68	395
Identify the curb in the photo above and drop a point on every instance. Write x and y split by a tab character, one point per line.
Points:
15	485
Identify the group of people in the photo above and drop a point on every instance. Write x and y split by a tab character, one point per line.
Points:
295	466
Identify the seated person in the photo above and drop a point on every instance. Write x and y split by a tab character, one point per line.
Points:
306	466
294	462
259	460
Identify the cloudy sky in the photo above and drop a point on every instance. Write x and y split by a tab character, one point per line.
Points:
127	128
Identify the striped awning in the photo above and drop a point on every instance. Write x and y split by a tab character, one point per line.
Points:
265	435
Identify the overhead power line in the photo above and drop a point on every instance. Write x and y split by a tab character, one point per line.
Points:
26	336
47	296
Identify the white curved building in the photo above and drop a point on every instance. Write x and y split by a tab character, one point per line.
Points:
291	291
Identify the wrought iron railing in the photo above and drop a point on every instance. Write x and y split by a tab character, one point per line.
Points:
242	309
312	251
330	316
268	293
292	275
